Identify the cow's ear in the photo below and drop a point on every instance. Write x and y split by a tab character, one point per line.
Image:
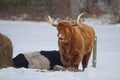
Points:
74	23
51	21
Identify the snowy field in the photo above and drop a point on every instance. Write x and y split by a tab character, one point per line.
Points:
36	36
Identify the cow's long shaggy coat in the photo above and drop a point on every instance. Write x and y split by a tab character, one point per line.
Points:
75	43
6	51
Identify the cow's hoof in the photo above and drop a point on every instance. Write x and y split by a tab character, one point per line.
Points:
59	68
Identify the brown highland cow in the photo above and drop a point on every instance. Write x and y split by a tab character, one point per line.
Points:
75	41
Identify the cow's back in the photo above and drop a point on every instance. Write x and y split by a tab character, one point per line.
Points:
88	34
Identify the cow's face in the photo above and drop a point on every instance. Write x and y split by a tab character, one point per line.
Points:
65	28
64	31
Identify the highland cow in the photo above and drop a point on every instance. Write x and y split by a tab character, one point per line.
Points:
75	41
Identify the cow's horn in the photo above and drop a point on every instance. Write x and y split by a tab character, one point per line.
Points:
78	18
51	20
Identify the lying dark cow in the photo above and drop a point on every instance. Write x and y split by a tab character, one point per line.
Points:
38	60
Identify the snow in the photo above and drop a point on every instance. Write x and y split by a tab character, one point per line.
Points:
35	36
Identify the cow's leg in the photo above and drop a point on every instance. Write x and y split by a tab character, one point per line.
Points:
76	60
85	60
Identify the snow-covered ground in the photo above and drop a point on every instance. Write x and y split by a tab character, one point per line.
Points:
36	36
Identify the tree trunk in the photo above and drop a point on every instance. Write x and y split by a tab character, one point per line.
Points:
75	8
